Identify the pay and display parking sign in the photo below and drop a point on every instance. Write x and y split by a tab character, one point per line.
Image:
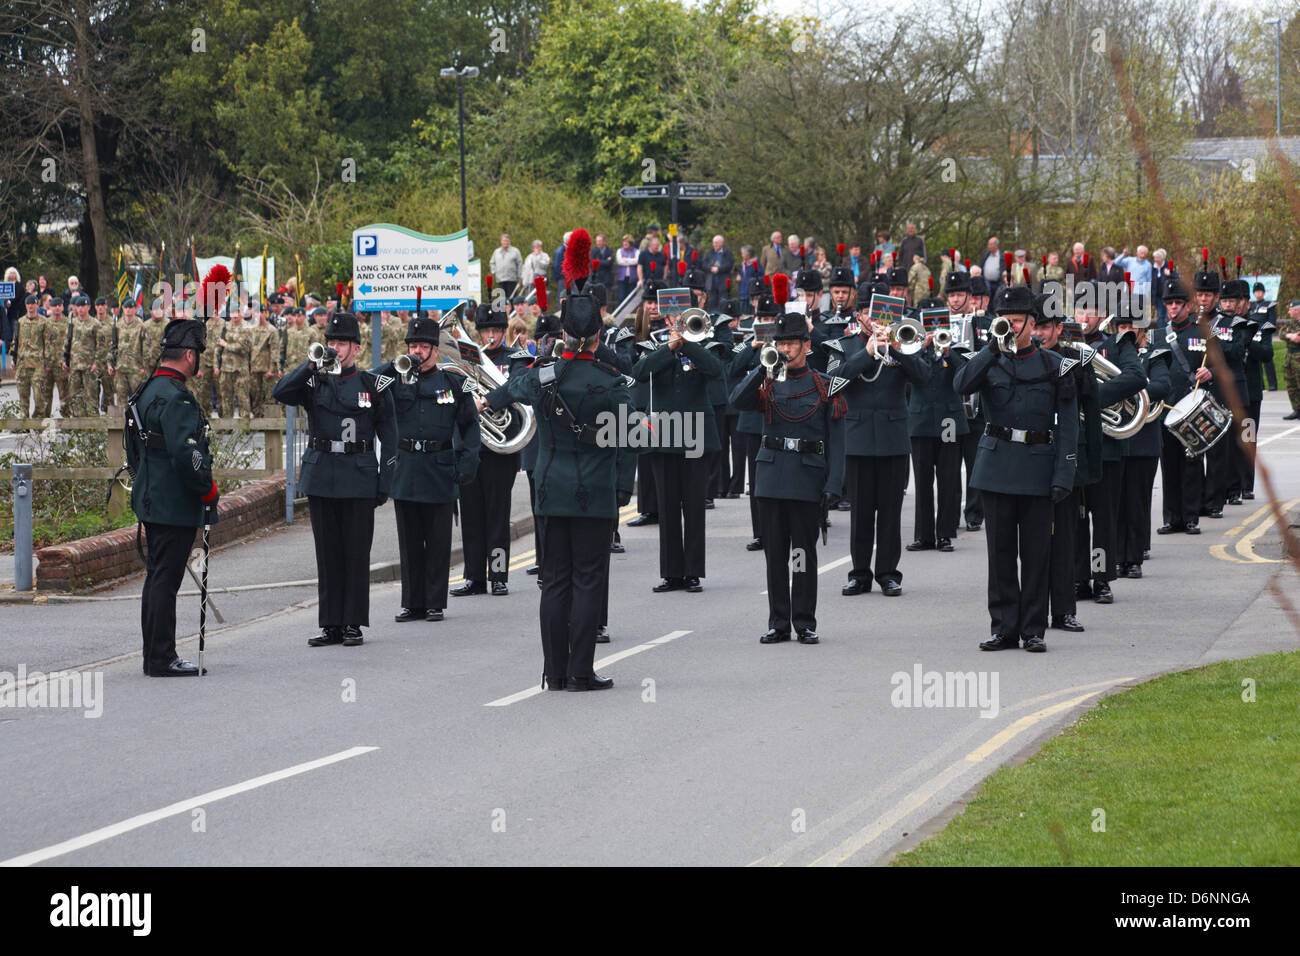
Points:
390	262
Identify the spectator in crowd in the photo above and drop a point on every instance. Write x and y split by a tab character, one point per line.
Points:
74	288
773	254
651	232
1054	269
1139	269
918	278
1161	271
517	335
625	267
1022	270
1110	270
883	245
884	264
1080	265
791	258
912	245
809	253
822	265
653	261
602	253
751	273
557	264
854	261
718	263
43	285
991	264
537	264
506	265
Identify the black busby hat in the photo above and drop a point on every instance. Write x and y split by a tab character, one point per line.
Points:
930	302
1206	280
731	307
897	276
1016	299
580	316
695	279
842	276
650	293
185	334
1236	289
547	324
421	329
1257	287
791	325
343	325
486	318
979	285
767	306
957	281
599	293
808	280
1175	290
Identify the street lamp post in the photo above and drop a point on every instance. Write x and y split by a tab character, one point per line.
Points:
460	100
1278	23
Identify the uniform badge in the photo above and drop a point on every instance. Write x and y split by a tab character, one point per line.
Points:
444	396
687	364
383	381
1171	336
467	386
837	385
1067	364
363	399
196	459
1196	345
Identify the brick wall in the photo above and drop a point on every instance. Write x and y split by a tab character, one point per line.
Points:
78	565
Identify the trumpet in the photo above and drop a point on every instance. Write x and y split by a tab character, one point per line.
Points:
324	358
942	339
405	366
770	358
695	325
1000	329
908	336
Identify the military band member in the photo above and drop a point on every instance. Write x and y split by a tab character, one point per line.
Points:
582	482
485	501
29	343
650	327
1259	350
347	410
799	475
730	474
1142	455
679	374
437	451
1025	462
1182	478
167	448
1227	337
877	448
936	421
749	424
961	302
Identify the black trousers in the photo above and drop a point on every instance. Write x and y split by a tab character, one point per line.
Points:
424	543
970	443
539	522
1097	523
1270	376
575	578
1182	481
1018	526
720	469
934	458
875	485
507	287
1219	465
790	529
647	495
485	517
1135	508
604	602
343	529
1255	409
735	442
167	548
750	445
1065	528
681	482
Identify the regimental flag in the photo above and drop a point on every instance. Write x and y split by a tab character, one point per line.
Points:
887	309
935	319
123	280
137	289
237	278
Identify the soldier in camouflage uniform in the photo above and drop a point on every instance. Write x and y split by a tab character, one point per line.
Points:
1288	330
29	340
58	331
209	375
107	320
84	354
393	336
151	333
128	362
235	346
264	362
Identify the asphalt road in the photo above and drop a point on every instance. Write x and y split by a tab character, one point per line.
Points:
430	745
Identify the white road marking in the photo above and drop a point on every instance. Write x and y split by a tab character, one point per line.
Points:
1292	429
144	819
603	662
829	567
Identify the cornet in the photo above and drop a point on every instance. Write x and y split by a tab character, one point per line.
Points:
695	325
770	358
942	339
1000	329
405	366
908	336
324	358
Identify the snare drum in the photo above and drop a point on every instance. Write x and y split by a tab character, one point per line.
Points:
1198	421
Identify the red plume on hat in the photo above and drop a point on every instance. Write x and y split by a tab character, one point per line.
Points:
966	263
780	288
419	295
728	283
1086	257
1223	266
654	266
1238	267
839	248
767	281
577	258
930	280
539	286
489	284
681	268
218	274
695	254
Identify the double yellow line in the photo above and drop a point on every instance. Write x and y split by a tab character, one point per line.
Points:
1244	547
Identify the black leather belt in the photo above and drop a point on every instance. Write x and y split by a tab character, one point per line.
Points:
800	445
1018	435
340	447
421	444
154	440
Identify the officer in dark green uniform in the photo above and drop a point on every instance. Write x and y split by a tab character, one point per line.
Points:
936	422
731	473
167	449
647	497
437	451
1025	462
583	478
678	373
1227	336
749	426
1182	479
800	471
347	410
1260	327
1142	452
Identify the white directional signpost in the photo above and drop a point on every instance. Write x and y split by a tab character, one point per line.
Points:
673	192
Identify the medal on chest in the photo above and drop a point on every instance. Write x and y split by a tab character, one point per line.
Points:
363	399
444	396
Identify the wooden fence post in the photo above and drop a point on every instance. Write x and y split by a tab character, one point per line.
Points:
117	494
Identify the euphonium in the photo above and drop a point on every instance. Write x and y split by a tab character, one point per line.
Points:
505	431
1123	419
695	325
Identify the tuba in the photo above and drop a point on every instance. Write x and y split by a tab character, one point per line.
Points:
505	431
1123	419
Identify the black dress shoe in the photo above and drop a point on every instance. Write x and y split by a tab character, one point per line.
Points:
553	683
920	546
178	668
1217	513
593	682
732	494
755	544
352	636
1292	417
945	544
1000	642
693	585
1192	528
1235	500
808	636
616	547
973	525
669	584
1248	495
1135	571
844	505
602	635
855	587
1101	593
708	504
1035	643
1067	622
408	614
1146	555
1171	529
533	569
774	637
501	589
469	587
433	614
329	635
643	519
1082	592
891	589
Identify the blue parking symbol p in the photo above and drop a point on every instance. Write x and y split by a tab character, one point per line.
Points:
367	245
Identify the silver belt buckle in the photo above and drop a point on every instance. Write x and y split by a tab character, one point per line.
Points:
336	447
1020	435
791	444
417	446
